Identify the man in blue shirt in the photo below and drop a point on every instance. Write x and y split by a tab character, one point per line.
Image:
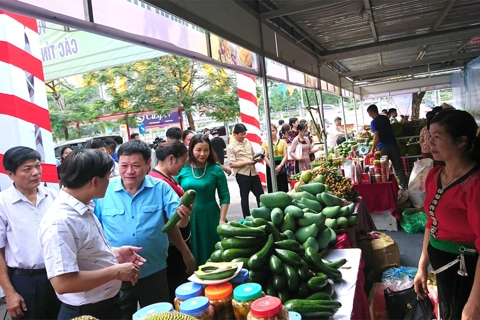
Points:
384	139
133	213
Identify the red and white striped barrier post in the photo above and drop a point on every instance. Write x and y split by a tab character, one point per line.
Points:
247	96
24	116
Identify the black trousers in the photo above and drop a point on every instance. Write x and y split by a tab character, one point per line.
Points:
108	309
247	184
393	154
39	296
147	291
453	289
282	182
176	269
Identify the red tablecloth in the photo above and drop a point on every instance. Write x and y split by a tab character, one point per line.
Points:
380	196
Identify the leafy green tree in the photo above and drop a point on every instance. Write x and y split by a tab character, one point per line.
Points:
330	98
165	84
69	105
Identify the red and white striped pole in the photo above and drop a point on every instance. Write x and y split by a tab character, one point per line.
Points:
247	96
24	116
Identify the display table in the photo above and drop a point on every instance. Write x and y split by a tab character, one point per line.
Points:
350	291
380	196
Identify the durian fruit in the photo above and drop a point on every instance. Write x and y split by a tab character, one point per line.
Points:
170	316
85	318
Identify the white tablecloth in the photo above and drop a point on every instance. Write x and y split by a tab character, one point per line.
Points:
345	290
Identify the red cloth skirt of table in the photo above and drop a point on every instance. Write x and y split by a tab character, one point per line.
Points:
380	196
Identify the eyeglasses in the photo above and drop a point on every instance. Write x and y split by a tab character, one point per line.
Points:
304	142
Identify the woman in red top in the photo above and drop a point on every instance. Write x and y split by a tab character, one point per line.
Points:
453	227
171	157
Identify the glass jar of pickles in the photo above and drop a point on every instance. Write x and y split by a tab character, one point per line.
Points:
243	296
242	277
220	296
268	308
186	291
198	307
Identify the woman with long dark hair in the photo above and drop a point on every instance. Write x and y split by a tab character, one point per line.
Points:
206	177
279	160
302	161
452	234
171	157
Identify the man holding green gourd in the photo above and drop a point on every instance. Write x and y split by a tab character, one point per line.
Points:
133	212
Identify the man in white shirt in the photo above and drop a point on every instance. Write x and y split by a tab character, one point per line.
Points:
85	271
335	132
28	293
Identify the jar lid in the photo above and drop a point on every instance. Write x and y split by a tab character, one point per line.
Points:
294	315
152	309
188	290
242	276
266	307
194	305
218	291
247	291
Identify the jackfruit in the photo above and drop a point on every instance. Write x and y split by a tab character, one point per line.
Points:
403	148
170	316
397	129
413	149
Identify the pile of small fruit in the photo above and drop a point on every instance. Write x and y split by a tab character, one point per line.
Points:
338	185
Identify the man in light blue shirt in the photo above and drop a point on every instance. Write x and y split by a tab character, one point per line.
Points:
133	212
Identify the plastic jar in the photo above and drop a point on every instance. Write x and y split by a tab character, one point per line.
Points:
243	296
371	169
186	291
372	178
198	307
377	155
294	315
152	309
384	178
220	296
242	277
383	163
378	178
268	308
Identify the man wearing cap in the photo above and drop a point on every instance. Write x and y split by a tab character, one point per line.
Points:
23	277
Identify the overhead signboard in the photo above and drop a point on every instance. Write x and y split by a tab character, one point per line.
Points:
230	53
295	76
139	18
68	51
311	82
74	8
276	70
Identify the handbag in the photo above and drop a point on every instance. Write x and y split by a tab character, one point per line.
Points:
399	303
421	310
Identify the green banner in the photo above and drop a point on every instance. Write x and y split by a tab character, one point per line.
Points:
66	52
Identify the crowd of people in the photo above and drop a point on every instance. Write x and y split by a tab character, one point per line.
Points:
96	246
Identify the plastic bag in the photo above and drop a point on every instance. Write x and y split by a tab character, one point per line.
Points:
416	183
398	279
413	221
